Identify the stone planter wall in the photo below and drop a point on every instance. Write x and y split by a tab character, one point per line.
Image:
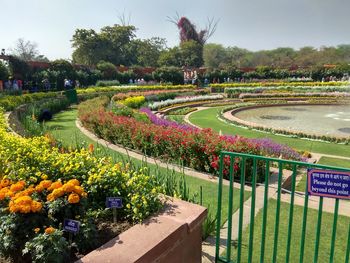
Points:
172	236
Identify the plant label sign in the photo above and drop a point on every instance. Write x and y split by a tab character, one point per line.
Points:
71	226
114	202
327	183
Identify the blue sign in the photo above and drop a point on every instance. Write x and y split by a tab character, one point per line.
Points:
114	202
328	183
70	225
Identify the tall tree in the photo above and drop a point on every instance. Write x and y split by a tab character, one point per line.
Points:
27	51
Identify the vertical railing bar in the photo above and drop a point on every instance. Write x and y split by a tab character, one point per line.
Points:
218	215
291	210
335	220
241	207
229	223
278	207
303	231
318	231
252	214
266	196
348	248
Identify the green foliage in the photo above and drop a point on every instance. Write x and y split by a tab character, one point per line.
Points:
108	70
169	74
4	71
107	83
191	53
19	68
48	248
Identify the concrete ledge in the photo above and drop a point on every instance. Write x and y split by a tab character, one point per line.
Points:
174	236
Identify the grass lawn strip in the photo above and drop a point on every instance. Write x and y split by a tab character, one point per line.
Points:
208	118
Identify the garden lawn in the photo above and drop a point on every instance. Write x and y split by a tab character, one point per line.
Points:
63	128
325	161
208	118
177	118
326	233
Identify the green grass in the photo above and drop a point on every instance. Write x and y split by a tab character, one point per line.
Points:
208	119
326	232
63	128
325	161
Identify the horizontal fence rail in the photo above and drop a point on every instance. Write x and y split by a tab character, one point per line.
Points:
287	234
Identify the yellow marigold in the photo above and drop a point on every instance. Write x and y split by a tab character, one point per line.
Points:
50	198
25	209
36	206
78	190
55	185
17	186
46	183
75	182
58	192
84	194
68	187
23	200
5	182
30	190
36	230
73	198
50	230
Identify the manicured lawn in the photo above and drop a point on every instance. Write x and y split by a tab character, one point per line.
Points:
326	233
325	161
64	129
208	119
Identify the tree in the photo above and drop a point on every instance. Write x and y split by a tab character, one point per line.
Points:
4	71
111	44
148	51
214	55
108	70
27	51
191	53
170	57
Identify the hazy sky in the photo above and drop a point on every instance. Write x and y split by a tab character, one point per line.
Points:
250	24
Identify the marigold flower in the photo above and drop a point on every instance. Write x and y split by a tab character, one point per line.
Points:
91	147
68	187
17	186
5	182
39	188
75	182
50	230
78	190
36	206
36	230
55	185
50	198
73	198
46	183
58	192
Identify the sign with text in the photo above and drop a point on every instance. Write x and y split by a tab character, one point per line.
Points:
114	202
71	226
327	183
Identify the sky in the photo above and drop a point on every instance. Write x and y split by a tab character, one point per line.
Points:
251	24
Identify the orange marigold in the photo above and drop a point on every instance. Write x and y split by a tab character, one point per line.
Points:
36	206
46	183
68	187
58	192
73	198
55	185
17	186
50	198
39	188
5	182
50	230
75	182
78	190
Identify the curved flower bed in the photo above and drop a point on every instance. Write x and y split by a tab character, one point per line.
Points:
194	148
40	185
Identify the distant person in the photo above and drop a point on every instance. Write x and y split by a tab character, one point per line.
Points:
15	85
67	84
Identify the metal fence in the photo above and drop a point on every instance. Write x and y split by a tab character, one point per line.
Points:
247	169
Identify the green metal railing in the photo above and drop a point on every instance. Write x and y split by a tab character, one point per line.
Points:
243	166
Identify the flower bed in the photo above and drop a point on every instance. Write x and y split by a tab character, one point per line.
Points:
40	185
194	148
166	103
294	95
275	84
